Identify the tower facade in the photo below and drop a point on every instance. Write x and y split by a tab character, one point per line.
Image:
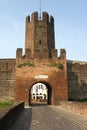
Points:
40	63
39	35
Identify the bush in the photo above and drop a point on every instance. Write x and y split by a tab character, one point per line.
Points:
25	64
59	65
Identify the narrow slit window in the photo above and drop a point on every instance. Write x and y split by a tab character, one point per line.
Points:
40	42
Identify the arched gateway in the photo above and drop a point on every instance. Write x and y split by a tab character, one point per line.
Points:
40	93
40	63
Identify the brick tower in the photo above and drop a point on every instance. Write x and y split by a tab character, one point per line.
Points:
40	35
40	62
39	38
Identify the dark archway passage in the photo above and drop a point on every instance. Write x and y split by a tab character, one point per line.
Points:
40	93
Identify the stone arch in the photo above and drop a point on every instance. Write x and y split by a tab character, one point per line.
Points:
49	101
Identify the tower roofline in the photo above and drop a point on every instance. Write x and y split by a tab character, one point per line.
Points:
35	17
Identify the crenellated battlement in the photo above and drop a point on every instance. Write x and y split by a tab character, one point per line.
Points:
35	18
45	17
40	55
51	19
28	19
19	53
62	53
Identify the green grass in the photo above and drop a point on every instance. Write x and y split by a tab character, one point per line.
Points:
6	104
25	64
58	65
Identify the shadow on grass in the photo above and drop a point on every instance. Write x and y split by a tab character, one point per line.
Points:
24	120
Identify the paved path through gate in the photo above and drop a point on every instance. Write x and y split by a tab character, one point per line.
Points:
49	118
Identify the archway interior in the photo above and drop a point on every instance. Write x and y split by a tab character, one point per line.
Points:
40	94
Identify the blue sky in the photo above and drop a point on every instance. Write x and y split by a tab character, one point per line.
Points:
70	25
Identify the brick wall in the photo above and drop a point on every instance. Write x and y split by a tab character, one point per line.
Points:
77	80
39	35
7	79
77	107
25	78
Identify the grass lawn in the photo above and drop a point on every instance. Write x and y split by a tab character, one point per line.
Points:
6	104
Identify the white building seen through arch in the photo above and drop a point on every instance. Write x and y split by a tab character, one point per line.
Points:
39	91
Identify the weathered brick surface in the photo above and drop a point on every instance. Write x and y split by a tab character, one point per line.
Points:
40	51
77	79
76	107
7	65
39	34
7	79
25	78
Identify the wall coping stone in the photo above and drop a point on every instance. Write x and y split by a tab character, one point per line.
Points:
9	116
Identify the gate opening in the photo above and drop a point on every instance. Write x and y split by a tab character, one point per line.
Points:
40	94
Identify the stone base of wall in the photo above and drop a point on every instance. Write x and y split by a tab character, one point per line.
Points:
80	108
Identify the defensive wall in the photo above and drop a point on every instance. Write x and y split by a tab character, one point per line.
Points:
76	77
7	79
16	82
40	60
56	82
27	76
17	76
77	107
77	80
